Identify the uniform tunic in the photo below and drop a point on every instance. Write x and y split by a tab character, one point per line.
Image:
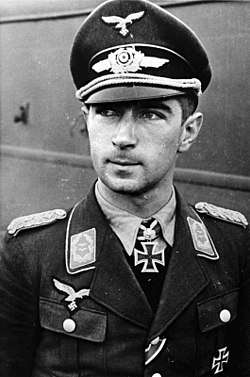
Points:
201	327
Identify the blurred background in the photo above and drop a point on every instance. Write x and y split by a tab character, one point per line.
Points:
45	159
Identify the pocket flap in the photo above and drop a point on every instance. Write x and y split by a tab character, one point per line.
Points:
218	310
84	324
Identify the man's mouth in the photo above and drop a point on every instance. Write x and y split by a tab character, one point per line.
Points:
123	162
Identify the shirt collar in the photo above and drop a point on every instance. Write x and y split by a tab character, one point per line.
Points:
126	225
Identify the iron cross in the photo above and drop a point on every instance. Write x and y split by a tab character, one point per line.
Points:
220	360
149	257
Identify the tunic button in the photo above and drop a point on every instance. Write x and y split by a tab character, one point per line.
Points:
156	375
155	341
69	325
225	315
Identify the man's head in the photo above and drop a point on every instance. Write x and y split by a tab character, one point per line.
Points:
134	145
139	72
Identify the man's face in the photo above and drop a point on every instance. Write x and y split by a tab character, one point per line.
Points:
134	144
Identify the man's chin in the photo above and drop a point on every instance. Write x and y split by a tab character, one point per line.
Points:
124	186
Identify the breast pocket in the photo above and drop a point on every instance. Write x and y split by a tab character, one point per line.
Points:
216	317
68	342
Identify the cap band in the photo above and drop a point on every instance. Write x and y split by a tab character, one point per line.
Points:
137	79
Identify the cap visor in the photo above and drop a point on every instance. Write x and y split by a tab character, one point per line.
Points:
130	93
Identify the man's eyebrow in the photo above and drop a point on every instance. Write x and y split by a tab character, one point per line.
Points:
156	105
152	104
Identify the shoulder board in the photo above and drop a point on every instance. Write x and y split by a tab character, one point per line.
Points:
35	220
222	213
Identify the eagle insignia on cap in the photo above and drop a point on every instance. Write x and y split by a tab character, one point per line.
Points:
121	23
221	213
35	220
127	59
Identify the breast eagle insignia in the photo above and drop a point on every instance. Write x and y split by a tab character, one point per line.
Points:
72	295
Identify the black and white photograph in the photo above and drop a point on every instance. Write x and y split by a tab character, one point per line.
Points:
124	188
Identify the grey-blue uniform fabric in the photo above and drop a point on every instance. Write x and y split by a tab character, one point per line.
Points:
114	324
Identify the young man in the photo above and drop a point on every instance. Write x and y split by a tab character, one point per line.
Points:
132	281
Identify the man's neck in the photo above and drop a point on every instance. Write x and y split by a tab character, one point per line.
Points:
142	205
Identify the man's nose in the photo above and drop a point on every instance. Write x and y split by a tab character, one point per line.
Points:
124	135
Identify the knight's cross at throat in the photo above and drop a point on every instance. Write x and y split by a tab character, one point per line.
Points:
149	251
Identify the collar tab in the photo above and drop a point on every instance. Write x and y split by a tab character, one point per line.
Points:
201	239
80	248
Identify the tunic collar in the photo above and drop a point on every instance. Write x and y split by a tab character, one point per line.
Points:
126	225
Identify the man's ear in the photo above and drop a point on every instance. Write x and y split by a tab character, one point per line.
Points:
85	113
85	110
190	130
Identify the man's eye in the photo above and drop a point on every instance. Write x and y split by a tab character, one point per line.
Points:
152	115
108	113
